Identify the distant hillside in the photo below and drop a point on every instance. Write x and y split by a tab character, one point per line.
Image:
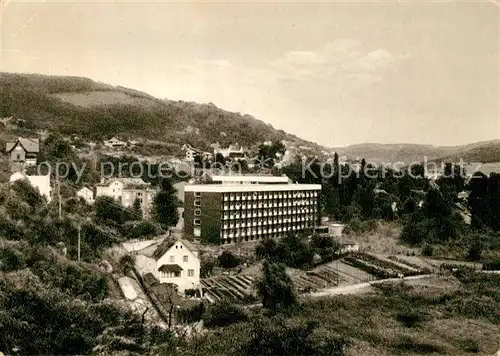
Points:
488	151
74	105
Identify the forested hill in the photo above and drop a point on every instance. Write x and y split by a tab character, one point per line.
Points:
75	105
486	152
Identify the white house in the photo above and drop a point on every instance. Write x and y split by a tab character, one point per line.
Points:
114	143
127	191
177	262
42	183
87	194
335	229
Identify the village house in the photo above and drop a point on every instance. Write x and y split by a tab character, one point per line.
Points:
41	183
175	262
87	194
127	191
24	151
233	151
114	143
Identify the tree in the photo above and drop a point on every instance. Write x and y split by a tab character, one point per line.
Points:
137	209
219	158
228	260
127	263
108	210
276	288
223	314
165	205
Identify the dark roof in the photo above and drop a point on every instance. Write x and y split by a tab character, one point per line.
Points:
29	144
163	247
170	268
150	279
168	243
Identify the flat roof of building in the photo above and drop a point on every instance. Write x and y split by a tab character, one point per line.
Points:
224	188
263	179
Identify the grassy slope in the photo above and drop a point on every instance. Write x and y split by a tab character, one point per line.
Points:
82	106
445	316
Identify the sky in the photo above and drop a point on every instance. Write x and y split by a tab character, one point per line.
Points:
336	73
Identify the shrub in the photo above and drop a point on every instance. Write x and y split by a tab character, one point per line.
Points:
492	265
223	314
475	251
427	250
11	260
411	319
191	292
192	314
275	337
228	260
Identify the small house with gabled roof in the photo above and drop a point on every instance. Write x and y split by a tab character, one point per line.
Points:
177	262
24	150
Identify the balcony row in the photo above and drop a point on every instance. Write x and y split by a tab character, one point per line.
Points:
270	213
266	222
255	196
226	235
266	205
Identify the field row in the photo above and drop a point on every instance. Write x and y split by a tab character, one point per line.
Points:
380	268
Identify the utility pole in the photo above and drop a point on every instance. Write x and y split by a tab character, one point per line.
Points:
79	239
59	197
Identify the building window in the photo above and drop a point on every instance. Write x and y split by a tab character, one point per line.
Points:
197	194
170	274
197	212
197	232
171	258
197	203
184	258
197	222
190	272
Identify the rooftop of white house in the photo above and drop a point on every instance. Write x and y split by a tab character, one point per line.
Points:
224	188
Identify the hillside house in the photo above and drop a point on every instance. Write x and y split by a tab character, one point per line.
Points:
175	262
114	143
233	152
87	194
41	183
190	152
24	151
127	191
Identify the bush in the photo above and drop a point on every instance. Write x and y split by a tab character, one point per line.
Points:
275	337
223	314
474	252
427	250
11	260
228	260
191	292
411	319
191	315
493	265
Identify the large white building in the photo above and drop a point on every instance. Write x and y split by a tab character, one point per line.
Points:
241	179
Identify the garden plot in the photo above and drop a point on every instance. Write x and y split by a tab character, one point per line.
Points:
232	288
350	274
381	268
318	278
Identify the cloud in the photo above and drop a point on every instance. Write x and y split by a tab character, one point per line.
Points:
340	56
